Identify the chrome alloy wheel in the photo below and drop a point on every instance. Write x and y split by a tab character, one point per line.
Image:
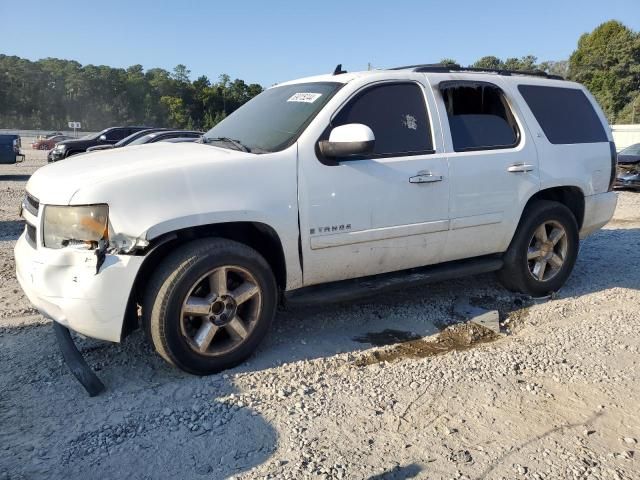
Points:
220	310
547	251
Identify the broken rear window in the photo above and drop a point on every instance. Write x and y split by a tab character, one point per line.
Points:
479	116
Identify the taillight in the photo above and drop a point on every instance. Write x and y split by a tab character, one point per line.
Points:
614	165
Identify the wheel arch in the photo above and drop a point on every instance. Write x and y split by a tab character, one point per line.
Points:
571	197
259	236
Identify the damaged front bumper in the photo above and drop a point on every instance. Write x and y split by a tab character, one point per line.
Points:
64	286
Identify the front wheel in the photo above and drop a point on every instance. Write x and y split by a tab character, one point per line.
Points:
209	305
543	251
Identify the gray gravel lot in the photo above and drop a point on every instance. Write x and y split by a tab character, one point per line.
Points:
555	395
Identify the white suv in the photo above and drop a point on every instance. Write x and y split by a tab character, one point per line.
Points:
380	174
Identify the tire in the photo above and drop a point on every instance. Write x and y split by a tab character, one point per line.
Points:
197	324
523	269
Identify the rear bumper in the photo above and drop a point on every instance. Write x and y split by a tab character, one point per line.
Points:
63	285
598	210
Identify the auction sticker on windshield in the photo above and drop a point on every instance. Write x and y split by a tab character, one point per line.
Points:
304	97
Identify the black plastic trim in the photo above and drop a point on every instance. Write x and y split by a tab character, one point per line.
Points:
353	289
76	363
442	68
614	166
341	149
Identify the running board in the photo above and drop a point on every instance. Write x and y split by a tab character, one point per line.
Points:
348	290
75	361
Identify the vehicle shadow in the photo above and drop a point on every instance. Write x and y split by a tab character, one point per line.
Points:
18	177
11	229
152	422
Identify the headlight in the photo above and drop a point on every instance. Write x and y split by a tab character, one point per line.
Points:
79	227
60	148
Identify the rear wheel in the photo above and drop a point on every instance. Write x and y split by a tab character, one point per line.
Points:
209	305
543	251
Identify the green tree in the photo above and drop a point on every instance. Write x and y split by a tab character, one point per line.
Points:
48	93
559	68
630	113
448	61
177	113
607	62
489	62
523	64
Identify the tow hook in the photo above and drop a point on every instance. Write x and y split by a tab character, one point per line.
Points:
76	362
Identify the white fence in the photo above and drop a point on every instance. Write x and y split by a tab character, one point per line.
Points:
625	135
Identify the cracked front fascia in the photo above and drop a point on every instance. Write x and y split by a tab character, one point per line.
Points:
121	243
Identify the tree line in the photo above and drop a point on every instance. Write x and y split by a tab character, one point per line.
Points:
46	94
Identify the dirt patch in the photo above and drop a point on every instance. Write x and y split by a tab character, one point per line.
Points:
454	338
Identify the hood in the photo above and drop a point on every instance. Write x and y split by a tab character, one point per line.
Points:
58	183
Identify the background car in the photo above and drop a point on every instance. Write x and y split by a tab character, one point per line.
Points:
10	148
127	140
167	135
629	167
110	136
49	142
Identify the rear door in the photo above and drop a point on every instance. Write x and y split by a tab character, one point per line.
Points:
493	165
384	211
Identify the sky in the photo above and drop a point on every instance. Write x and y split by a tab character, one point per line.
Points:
272	41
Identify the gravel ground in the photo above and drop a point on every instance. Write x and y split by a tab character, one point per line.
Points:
555	395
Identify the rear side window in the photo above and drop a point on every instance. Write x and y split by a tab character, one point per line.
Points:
397	115
479	116
116	134
565	114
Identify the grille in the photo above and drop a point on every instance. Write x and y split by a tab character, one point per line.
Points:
31	205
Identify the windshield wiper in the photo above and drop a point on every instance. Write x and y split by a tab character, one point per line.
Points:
236	143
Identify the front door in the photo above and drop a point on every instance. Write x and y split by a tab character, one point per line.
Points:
385	211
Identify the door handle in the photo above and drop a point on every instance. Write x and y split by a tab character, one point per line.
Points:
520	167
425	177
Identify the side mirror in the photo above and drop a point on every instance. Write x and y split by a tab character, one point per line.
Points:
348	140
103	138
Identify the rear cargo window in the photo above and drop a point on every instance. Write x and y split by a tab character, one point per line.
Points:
565	114
479	116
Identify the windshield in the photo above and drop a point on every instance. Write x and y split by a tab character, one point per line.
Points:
132	137
143	139
632	150
274	119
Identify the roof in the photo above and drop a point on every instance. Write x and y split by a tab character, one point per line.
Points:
423	68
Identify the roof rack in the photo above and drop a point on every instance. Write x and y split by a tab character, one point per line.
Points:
454	67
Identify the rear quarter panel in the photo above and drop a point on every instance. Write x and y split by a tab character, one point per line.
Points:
583	165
